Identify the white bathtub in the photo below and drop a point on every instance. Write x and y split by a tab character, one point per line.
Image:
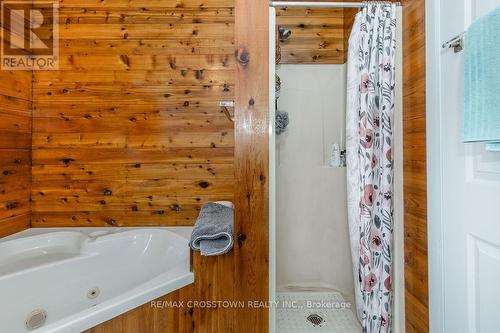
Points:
82	277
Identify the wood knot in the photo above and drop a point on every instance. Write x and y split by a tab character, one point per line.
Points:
112	222
107	192
241	239
199	74
11	205
67	161
172	63
175	207
242	56
203	184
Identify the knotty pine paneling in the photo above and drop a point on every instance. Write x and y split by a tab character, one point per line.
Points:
128	132
415	176
349	15
317	35
15	150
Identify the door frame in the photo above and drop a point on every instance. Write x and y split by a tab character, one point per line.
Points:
434	167
272	168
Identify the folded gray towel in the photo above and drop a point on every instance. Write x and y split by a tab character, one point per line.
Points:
213	230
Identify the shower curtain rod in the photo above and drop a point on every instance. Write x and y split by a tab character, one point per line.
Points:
325	4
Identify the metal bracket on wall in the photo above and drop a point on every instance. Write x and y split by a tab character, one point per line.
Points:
225	105
456	43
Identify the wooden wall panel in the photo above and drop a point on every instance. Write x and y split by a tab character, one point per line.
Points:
415	174
349	15
15	150
317	35
128	132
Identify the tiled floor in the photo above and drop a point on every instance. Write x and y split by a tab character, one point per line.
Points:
294	308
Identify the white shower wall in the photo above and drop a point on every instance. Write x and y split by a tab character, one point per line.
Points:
312	245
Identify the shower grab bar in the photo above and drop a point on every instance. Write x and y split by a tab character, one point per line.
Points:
225	105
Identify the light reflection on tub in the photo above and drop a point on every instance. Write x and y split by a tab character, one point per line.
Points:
83	277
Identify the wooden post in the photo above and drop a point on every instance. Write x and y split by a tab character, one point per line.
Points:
252	162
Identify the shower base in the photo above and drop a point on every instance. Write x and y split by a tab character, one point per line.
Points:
308	312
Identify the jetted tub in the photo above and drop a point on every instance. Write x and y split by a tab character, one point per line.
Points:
67	280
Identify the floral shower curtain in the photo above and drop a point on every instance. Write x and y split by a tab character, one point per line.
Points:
369	121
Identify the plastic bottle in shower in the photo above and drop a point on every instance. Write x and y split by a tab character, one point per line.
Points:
335	155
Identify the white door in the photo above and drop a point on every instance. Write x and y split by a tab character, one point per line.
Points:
463	185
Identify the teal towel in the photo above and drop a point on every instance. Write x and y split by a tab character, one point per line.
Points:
481	118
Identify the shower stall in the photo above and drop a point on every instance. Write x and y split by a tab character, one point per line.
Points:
313	262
